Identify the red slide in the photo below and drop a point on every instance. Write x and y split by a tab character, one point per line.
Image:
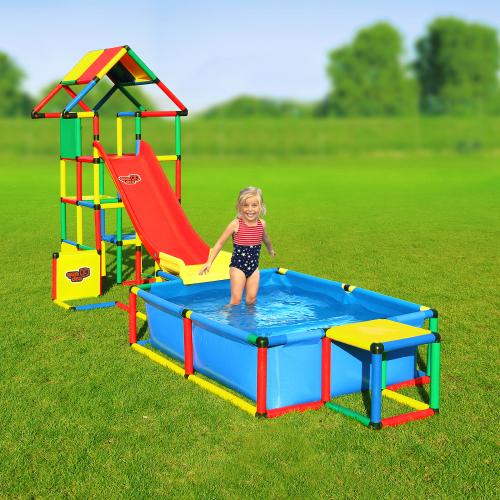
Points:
152	206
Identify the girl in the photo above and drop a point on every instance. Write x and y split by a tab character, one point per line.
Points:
248	232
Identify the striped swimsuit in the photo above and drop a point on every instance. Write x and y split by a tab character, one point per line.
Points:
246	247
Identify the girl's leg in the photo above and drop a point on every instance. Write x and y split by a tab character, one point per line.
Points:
252	287
238	280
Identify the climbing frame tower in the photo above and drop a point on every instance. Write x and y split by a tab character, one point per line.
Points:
79	267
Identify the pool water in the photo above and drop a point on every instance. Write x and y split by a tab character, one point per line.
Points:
276	310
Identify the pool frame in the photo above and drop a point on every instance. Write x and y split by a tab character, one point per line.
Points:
265	369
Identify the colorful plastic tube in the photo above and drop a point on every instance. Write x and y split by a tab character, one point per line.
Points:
406	417
81	95
132	318
409	342
188	345
349	413
435	374
88	307
170	94
278	412
401	398
376	391
48	98
326	348
261	380
73	95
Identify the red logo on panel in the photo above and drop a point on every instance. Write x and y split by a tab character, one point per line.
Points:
130	179
78	276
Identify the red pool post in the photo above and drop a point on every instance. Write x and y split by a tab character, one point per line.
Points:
188	343
132	317
262	343
326	349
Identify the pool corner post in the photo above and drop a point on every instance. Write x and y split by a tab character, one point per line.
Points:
434	328
262	344
188	343
326	349
377	350
435	350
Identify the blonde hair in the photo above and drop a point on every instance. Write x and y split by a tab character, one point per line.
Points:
250	192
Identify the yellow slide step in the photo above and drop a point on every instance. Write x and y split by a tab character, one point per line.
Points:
189	274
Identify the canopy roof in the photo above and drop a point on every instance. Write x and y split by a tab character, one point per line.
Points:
121	64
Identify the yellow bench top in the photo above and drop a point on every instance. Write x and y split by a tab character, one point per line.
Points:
364	334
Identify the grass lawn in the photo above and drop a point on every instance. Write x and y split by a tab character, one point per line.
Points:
83	415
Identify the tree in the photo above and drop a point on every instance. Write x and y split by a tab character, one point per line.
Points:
368	78
244	106
13	101
117	102
456	66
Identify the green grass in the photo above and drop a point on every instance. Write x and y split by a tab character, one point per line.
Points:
274	137
82	415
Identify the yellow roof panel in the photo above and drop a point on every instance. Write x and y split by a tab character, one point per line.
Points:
83	64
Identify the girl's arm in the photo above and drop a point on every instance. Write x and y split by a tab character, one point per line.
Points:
230	229
267	240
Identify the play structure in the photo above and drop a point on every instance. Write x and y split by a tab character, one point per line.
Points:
308	340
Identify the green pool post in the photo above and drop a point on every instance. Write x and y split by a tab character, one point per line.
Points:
434	328
384	371
436	373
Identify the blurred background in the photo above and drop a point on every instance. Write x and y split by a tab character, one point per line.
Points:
272	78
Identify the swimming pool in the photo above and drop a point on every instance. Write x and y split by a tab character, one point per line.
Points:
290	318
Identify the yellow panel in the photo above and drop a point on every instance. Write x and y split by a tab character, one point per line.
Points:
78	275
189	274
82	65
364	334
67	248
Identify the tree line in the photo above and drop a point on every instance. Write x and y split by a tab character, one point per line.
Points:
455	71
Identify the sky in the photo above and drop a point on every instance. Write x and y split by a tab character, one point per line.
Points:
209	51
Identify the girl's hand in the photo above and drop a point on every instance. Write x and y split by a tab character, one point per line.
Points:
272	253
205	269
